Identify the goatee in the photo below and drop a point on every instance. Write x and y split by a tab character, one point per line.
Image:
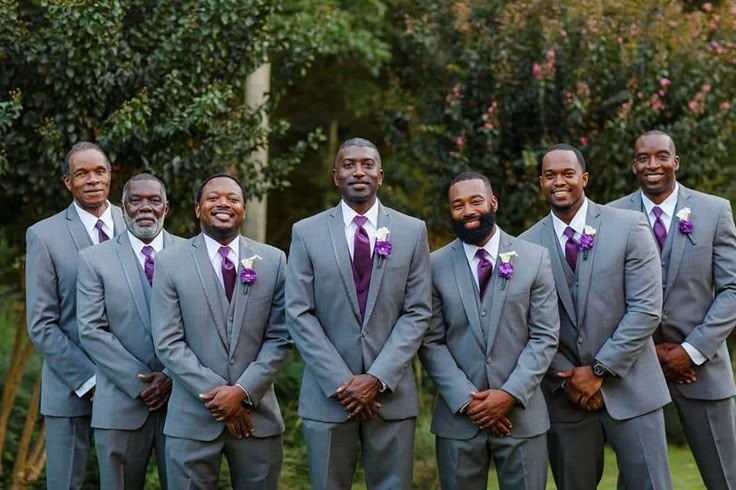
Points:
477	235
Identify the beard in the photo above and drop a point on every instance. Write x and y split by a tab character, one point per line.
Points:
143	233
474	236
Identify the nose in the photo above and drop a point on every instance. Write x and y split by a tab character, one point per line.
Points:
358	170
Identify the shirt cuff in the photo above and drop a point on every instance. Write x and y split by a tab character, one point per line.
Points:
86	386
464	407
247	401
695	355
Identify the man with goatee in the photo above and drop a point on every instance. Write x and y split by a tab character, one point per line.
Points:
492	336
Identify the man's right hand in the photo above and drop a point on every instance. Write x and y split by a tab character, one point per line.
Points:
240	424
675	373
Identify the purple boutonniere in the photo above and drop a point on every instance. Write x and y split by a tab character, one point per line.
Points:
248	274
506	268
383	245
586	241
685	225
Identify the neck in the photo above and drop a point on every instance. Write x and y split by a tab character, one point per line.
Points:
225	241
361	207
567	214
96	211
659	198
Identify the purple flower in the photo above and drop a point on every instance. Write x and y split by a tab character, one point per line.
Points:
506	270
685	226
585	242
248	276
383	248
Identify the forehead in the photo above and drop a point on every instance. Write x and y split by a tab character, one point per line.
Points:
90	158
358	153
222	185
468	188
653	143
560	160
145	187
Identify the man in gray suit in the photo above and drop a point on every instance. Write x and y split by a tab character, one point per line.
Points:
604	384
696	235
52	246
493	333
358	302
114	320
217	316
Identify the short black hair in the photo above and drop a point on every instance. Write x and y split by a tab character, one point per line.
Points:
140	177
471	175
356	142
198	194
66	167
563	147
657	132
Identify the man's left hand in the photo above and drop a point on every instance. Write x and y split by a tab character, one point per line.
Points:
224	401
677	364
581	385
358	393
489	406
156	394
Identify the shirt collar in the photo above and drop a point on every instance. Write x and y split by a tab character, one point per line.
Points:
348	214
89	220
137	244
213	246
577	223
491	246
668	205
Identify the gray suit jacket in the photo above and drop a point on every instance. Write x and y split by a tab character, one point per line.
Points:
505	342
114	321
619	300
699	288
204	342
324	319
52	247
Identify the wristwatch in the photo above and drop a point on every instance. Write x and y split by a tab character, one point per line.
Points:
601	370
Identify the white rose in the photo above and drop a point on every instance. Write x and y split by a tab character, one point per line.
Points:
382	234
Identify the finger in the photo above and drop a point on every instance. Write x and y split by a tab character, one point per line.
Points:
566	374
147	378
477	396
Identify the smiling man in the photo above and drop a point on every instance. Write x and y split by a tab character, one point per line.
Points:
52	246
358	301
217	316
114	321
697	240
492	336
604	384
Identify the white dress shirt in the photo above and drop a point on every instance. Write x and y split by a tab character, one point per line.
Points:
370	226
137	245
89	221
577	223
668	207
491	246
213	247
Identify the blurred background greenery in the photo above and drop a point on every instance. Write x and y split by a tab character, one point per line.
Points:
440	86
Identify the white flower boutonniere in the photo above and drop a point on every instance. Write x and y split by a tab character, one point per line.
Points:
685	225
383	245
248	275
586	240
506	268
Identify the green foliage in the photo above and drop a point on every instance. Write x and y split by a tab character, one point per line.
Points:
489	85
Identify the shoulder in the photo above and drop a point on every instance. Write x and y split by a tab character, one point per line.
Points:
534	233
444	253
101	252
527	248
48	226
315	220
708	200
403	220
175	251
268	252
620	216
624	202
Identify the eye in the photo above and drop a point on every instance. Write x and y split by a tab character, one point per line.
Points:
570	175
664	157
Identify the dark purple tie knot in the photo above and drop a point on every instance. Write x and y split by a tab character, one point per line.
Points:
147	251
360	220
228	272
569	233
101	235
226	262
657	211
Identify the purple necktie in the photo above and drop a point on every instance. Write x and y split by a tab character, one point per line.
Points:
485	270
362	262
228	272
101	235
660	232
571	247
148	263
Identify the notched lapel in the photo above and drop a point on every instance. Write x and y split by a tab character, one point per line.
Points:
684	200
117	220
79	235
549	240
384	219
498	294
214	292
130	265
467	291
584	267
336	229
241	299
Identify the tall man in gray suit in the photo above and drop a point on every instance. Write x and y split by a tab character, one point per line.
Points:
492	336
358	302
696	235
114	320
604	383
52	246
217	315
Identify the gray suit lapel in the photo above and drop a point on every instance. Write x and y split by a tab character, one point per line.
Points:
132	271
550	242
584	268
684	200
498	295
379	266
241	299
79	234
214	292
336	229
466	290
117	220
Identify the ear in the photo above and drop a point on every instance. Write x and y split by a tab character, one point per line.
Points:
68	182
585	179
166	208
196	210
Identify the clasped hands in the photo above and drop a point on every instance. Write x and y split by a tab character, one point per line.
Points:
583	388
488	409
225	403
156	394
676	363
358	396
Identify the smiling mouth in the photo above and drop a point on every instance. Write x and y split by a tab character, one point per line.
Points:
560	193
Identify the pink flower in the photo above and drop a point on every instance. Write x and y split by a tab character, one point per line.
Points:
657	104
563	33
583	140
707	6
706	87
693	107
489	126
725	106
626	105
460	141
665	82
537	71
733	9
550	54
492	107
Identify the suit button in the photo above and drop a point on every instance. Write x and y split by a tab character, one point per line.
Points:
488	360
232	361
580	340
362	334
483	313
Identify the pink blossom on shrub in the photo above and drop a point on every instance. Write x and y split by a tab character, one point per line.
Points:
537	71
657	104
707	6
725	106
665	82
